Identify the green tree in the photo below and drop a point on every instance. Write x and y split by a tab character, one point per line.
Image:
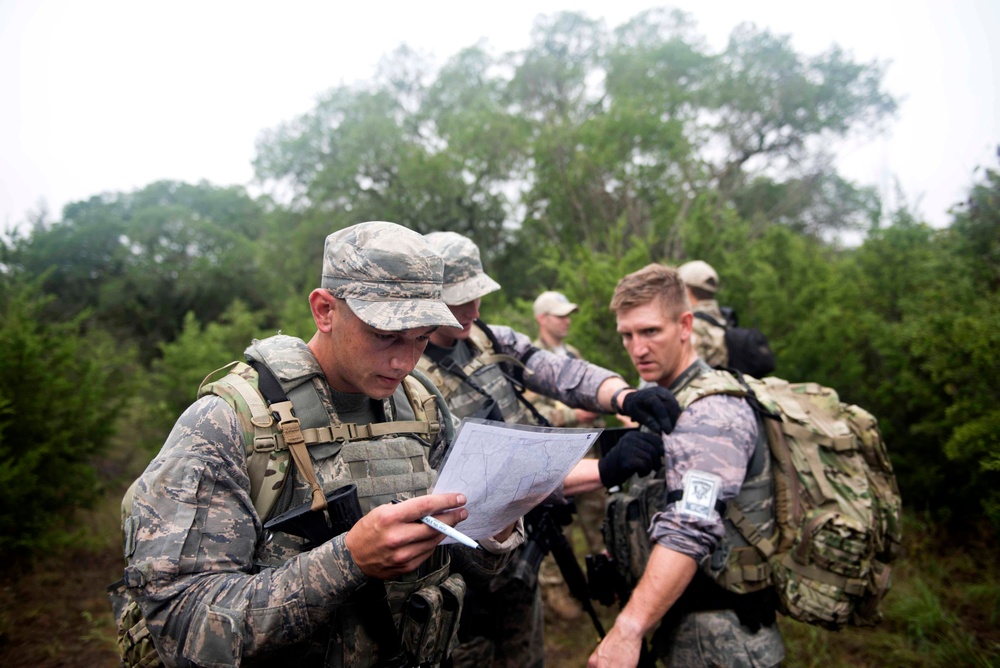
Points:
139	261
61	386
398	150
186	361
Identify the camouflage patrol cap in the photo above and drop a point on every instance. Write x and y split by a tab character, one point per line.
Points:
389	276
699	274
464	278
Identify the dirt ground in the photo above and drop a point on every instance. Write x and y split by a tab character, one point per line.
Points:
58	614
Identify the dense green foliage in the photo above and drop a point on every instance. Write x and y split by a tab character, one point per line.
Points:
60	389
585	156
140	261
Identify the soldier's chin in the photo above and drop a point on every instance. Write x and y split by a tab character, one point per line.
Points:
458	332
651	375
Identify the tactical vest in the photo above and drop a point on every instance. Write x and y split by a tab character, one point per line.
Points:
385	460
470	388
734	564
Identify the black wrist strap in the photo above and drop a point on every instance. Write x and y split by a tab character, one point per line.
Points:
615	406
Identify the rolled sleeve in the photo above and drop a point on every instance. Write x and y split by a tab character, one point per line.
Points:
717	435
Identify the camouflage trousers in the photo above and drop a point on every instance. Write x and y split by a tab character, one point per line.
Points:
508	632
716	639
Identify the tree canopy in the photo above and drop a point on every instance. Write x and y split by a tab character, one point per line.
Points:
580	158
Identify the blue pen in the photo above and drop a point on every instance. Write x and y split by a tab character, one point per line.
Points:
451	532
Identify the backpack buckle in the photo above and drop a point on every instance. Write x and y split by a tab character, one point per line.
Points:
265	443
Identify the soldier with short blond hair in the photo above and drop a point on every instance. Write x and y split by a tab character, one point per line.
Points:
706	609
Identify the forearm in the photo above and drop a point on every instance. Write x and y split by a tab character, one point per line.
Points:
667	575
584	477
307	589
573	381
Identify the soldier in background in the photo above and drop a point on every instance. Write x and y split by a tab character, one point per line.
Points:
716	333
708	338
553	314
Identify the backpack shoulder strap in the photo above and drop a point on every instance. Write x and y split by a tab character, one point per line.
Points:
484	339
701	315
240	388
426	399
707	382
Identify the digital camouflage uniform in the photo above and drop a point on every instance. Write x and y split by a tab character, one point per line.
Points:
708	340
215	588
510	616
718	434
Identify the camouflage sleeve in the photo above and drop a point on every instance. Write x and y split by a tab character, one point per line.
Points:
716	435
572	381
479	566
192	565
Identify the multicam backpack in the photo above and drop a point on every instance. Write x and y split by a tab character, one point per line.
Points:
837	505
270	445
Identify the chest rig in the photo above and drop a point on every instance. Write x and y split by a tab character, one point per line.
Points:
298	450
488	380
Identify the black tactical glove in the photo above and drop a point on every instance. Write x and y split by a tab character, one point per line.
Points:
653	407
638	452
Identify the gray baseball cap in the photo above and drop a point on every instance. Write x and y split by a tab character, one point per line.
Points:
389	276
464	278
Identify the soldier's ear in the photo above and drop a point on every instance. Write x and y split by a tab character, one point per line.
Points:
324	309
686	321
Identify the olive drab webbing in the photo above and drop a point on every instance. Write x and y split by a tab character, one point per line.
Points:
373	456
836	507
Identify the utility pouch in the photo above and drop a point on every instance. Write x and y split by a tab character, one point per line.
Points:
626	525
423	619
429	626
604	582
452	602
135	644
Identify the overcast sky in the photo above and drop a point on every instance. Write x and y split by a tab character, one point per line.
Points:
109	95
